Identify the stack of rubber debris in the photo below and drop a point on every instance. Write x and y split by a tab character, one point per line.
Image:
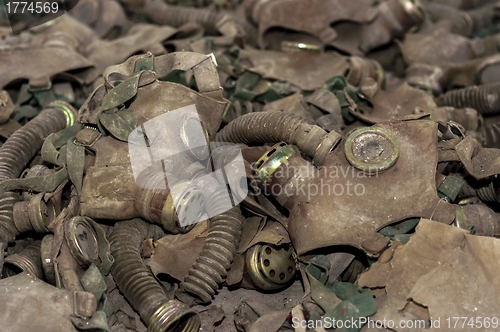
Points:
286	165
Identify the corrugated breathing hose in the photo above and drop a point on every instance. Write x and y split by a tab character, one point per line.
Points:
483	98
161	13
461	22
212	21
218	251
489	136
19	149
275	127
27	260
137	283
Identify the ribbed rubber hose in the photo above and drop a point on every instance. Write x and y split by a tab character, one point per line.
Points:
467	191
262	127
275	127
477	3
489	136
460	24
483	98
464	22
218	252
483	17
137	283
133	277
161	13
16	153
28	260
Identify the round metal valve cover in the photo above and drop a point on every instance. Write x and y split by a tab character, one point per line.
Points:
82	240
372	149
271	267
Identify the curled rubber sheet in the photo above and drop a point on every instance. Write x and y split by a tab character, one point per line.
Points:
406	190
394	104
175	254
140	38
420	48
479	162
313	17
307	71
443	271
55	59
36	305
